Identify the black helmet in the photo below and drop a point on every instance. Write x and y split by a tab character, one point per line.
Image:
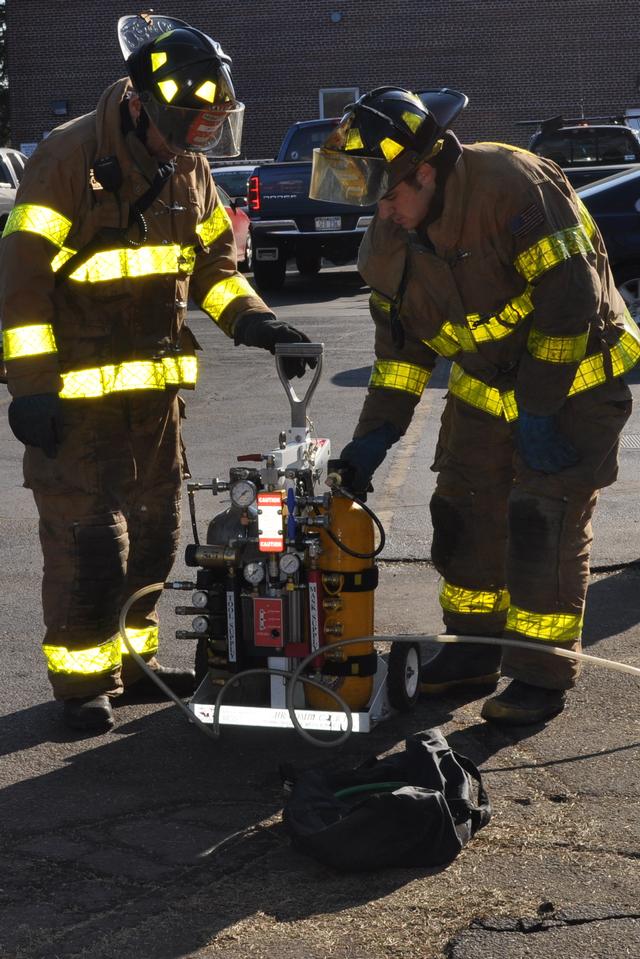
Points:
183	79
380	140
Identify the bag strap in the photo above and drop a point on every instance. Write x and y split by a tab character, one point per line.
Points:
479	813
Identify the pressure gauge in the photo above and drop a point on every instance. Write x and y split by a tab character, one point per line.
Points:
289	564
254	573
243	493
200	599
200	624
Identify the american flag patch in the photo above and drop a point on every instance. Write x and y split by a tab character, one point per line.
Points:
528	220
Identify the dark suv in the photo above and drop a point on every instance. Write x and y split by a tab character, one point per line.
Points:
586	149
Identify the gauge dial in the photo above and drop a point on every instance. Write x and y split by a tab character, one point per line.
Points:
200	599
200	624
289	564
254	573
243	493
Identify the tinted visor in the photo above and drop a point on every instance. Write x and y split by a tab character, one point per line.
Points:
215	129
356	180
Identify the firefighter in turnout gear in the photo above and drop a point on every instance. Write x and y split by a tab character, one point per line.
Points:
485	255
116	223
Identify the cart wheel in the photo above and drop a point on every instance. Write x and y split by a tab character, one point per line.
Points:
403	676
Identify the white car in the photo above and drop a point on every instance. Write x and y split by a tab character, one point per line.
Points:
11	166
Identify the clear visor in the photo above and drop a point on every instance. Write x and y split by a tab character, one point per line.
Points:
355	180
216	130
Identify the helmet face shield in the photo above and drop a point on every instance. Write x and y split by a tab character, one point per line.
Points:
215	130
343	178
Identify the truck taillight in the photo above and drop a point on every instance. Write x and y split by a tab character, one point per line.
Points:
254	193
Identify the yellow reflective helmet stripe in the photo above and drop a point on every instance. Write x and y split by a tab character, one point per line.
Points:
83	662
225	292
354	140
207	91
168	89
552	250
143	641
412	120
488	328
134	375
399	376
557	349
41	220
390	149
214	226
33	340
548	627
476	393
158	59
457	599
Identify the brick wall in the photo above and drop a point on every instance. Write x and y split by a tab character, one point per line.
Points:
514	59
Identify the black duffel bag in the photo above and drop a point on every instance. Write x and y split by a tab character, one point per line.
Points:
414	808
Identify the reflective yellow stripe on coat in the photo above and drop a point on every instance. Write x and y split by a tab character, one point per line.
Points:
173	371
399	376
35	339
41	220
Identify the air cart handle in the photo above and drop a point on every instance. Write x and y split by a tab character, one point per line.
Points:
304	351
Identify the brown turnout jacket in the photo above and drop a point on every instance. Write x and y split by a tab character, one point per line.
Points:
511	283
118	321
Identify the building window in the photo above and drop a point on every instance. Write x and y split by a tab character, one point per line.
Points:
333	100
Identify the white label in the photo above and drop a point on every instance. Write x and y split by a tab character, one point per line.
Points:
231	626
313	616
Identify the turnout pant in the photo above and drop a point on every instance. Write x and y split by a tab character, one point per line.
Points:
512	545
109	507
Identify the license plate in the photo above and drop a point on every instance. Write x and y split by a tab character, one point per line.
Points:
328	223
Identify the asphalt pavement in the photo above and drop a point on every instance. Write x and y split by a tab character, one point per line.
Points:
155	842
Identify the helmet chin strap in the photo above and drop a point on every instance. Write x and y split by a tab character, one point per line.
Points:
142	126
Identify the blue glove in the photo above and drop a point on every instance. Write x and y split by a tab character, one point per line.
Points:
36	420
362	456
541	445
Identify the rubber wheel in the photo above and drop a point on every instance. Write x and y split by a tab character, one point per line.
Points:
308	264
269	274
403	676
628	282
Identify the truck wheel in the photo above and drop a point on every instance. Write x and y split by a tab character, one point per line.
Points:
308	264
247	264
628	282
269	274
403	676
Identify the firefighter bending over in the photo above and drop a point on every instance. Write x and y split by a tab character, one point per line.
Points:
485	255
116	223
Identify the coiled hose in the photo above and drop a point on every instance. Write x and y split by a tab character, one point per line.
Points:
293	677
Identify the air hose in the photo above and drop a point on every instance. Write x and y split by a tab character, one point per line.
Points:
293	677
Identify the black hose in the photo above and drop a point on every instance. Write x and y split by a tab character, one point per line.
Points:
192	513
347	549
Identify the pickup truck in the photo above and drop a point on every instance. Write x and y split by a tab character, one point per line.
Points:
586	148
286	224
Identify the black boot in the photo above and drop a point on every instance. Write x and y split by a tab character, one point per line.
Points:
88	713
461	664
182	682
521	704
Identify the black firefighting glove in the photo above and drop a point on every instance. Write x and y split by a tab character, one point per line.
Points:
36	420
361	457
541	444
265	330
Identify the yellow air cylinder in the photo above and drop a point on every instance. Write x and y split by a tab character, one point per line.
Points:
348	612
